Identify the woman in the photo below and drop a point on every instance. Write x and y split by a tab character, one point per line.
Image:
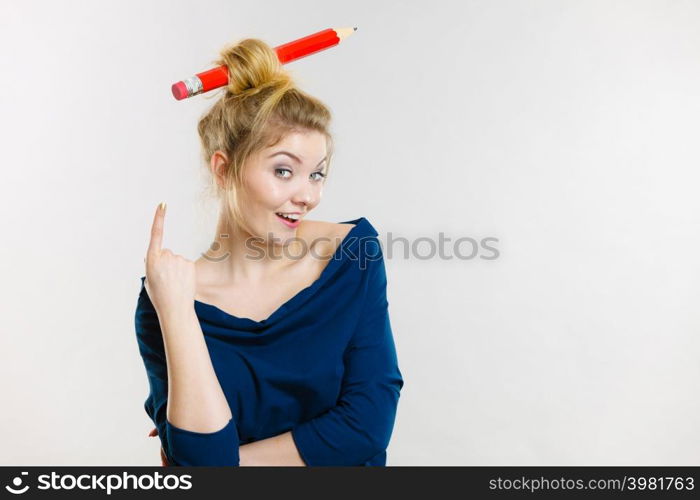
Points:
275	347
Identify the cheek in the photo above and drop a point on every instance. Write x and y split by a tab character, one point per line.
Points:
266	191
318	194
275	195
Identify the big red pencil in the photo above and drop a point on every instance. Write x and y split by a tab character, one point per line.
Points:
291	51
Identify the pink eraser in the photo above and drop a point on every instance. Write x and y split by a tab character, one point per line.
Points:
179	90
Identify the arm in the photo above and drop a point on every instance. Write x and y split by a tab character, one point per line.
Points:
278	450
360	425
200	426
191	413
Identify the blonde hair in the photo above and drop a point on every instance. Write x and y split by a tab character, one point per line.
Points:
261	104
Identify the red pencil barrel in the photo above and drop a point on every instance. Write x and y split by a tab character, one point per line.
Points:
214	78
308	45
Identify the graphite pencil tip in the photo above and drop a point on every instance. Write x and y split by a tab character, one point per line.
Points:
355	28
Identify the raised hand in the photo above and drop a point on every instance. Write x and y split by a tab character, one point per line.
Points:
170	278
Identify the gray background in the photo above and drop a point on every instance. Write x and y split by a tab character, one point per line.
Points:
566	129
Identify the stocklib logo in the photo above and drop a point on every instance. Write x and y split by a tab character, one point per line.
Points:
16	487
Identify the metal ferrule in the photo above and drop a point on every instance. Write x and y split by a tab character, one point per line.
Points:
194	86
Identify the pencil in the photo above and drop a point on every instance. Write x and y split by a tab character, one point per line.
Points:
291	51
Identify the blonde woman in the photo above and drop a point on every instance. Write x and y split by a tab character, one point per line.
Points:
275	347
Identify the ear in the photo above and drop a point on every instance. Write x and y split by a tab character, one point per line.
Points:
218	164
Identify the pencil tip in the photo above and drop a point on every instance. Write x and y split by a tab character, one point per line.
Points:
355	28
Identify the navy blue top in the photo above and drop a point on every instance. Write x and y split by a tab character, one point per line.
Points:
323	365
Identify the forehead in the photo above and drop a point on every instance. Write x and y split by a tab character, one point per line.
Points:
309	146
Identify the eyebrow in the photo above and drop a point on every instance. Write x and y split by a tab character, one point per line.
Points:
295	157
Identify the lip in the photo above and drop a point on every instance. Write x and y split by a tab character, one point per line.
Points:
286	222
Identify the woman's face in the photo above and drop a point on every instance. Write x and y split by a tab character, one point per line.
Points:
284	183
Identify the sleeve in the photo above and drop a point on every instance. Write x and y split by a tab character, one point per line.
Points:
360	425
182	447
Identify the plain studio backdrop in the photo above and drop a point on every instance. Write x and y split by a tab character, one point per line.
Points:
565	130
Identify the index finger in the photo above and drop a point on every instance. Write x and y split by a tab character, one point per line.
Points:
157	230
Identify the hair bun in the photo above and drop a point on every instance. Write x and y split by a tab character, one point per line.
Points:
252	67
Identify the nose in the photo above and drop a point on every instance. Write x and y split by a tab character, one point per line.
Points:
305	197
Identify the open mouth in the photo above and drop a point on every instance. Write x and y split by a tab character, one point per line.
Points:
287	219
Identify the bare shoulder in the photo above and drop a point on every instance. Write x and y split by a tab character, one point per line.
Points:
324	236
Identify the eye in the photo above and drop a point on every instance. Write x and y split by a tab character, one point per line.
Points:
282	170
320	175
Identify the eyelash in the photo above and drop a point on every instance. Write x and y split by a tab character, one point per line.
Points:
287	170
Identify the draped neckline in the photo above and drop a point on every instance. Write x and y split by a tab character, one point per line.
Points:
215	315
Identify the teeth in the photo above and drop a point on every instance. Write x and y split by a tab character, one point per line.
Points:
289	216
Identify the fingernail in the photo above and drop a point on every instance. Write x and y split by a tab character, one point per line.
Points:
162	205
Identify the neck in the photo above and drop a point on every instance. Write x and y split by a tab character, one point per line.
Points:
236	256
